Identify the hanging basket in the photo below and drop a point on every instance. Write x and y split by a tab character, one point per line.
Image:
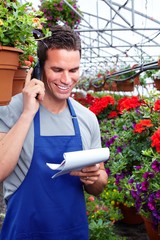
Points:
157	83
19	80
9	61
110	86
137	81
125	86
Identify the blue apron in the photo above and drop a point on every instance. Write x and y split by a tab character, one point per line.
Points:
43	208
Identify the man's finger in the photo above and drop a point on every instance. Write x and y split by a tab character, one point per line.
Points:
28	77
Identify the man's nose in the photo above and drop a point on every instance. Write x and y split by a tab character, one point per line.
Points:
66	78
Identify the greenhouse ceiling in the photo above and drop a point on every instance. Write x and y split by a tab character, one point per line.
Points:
118	32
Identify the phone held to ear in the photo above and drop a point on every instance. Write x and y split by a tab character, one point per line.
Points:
36	71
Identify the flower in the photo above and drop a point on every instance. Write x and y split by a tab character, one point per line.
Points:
130	128
133	136
102	216
17	22
57	11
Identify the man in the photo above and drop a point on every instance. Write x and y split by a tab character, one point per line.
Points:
37	127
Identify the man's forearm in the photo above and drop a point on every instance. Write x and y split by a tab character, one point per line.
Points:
11	145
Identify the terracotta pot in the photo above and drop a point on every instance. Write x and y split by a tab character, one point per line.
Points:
157	83
137	80
19	80
9	61
130	215
154	234
110	86
125	86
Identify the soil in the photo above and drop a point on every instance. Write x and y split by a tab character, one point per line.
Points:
131	231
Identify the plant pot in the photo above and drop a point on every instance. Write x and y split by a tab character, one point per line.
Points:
157	83
137	80
130	215
9	61
153	234
125	86
19	80
110	86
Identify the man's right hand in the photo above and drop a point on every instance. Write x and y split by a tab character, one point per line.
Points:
33	93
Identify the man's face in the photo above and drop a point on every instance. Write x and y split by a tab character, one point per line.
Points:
61	72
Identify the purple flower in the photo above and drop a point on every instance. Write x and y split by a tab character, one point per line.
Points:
155	166
151	202
138	167
148	175
134	194
118	178
144	186
111	141
131	180
124	127
119	149
108	171
158	194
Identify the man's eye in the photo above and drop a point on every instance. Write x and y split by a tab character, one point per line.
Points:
74	70
57	70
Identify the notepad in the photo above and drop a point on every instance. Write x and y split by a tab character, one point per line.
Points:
79	159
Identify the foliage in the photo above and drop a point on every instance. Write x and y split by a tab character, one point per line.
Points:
156	75
132	133
17	22
57	11
101	217
130	128
144	184
101	230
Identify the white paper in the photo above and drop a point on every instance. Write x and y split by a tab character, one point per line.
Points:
79	159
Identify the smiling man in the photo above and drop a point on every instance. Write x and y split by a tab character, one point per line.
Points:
37	127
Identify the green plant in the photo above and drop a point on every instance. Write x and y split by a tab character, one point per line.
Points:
17	22
101	230
144	183
132	132
156	75
101	217
57	11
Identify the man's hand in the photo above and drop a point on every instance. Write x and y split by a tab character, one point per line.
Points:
33	93
88	175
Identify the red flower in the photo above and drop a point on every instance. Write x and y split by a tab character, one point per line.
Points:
101	103
128	103
30	58
156	140
141	126
99	75
113	114
157	105
91	198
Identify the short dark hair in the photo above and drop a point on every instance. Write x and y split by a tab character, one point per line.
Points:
63	37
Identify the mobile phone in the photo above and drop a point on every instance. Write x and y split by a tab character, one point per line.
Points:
36	71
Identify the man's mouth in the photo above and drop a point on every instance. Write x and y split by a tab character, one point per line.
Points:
63	87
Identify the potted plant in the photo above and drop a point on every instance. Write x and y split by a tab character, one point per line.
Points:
57	12
144	187
17	22
156	79
130	128
101	217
